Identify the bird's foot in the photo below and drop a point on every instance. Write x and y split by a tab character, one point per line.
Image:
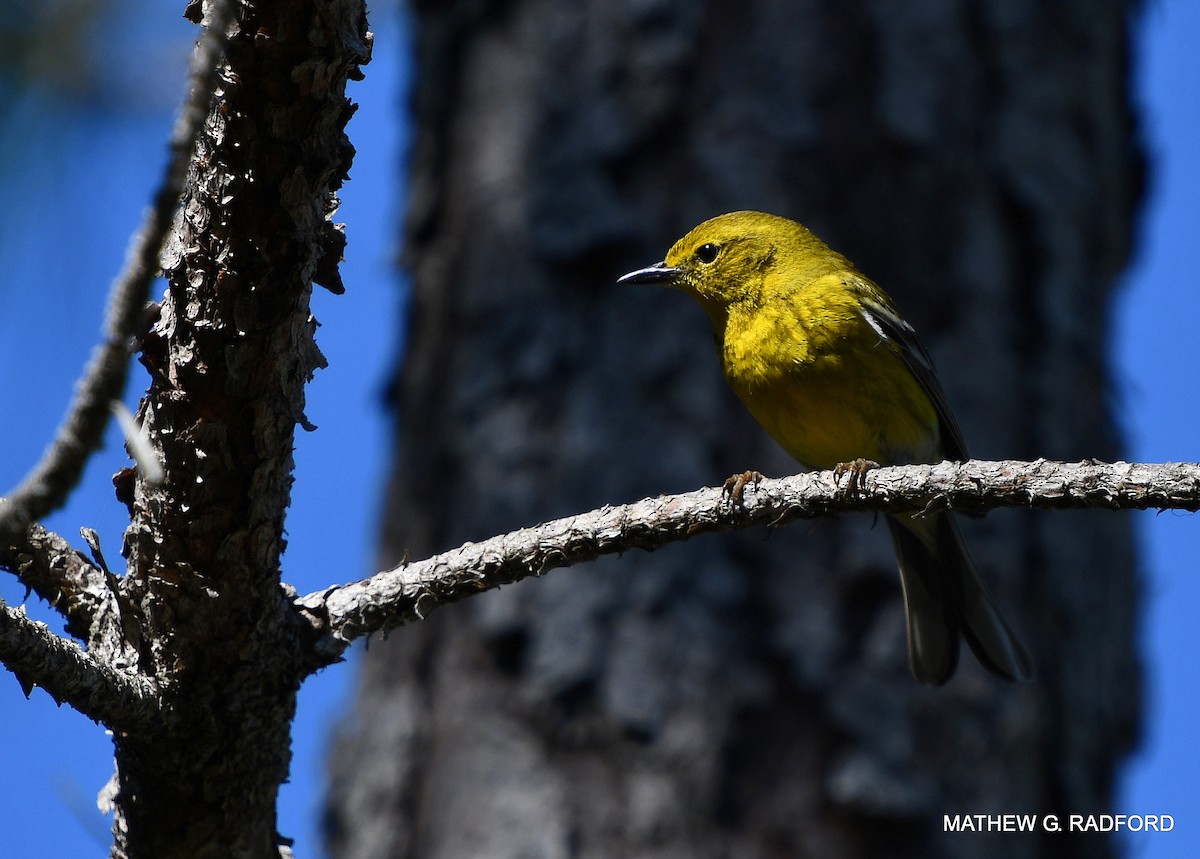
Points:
856	470
735	486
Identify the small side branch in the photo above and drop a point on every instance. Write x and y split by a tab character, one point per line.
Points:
58	573
38	657
343	613
50	482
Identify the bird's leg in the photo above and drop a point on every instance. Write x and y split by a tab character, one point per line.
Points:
735	486
857	470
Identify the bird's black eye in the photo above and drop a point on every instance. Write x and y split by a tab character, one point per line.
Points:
707	252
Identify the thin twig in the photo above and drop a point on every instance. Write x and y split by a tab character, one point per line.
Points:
49	483
343	613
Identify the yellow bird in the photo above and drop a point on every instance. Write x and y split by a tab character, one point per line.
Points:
821	358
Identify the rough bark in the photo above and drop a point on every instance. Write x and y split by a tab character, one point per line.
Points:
739	696
409	592
232	347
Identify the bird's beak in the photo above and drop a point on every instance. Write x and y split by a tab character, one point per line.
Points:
657	273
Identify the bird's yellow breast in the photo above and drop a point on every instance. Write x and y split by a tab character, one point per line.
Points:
823	382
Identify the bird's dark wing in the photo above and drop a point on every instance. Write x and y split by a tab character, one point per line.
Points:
902	339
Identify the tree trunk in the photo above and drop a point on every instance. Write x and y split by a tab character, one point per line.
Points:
201	607
743	695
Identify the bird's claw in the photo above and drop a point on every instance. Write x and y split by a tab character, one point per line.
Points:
735	486
857	470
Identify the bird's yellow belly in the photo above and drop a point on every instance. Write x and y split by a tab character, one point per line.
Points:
823	412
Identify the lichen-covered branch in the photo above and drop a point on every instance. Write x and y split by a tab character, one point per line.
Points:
408	592
38	657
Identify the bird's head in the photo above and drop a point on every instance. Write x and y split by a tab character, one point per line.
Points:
737	257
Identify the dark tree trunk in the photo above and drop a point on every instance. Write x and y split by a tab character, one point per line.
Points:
202	611
747	695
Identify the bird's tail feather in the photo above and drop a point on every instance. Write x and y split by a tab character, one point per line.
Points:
943	596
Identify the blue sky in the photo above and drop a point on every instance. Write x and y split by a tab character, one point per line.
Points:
87	174
1157	353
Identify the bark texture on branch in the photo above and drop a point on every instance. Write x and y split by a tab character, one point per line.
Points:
99	690
58	573
741	697
409	592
